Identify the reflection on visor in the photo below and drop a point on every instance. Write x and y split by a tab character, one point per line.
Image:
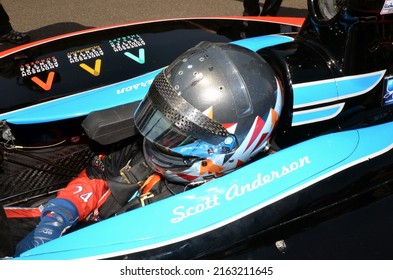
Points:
168	112
153	125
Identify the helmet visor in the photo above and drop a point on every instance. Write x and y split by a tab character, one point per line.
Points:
167	119
153	125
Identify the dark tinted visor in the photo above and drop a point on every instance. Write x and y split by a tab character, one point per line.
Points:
167	119
153	125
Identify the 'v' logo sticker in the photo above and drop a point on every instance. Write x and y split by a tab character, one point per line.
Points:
97	68
140	59
45	85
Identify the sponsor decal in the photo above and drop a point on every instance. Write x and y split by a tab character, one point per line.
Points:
140	59
235	191
38	66
126	43
134	87
36	71
388	91
45	85
85	54
94	71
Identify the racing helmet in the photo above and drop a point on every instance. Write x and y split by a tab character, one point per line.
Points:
208	112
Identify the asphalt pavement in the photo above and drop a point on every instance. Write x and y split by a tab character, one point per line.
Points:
45	18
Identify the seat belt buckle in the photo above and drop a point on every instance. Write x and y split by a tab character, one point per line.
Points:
144	197
127	175
146	188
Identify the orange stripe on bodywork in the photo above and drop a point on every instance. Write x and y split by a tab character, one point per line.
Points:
295	21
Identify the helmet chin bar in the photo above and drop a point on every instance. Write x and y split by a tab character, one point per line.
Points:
159	158
201	149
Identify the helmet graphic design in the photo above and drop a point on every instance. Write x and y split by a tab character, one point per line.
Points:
208	112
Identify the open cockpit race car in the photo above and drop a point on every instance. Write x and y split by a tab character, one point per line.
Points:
323	193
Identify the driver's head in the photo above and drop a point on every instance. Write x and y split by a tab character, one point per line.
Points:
208	112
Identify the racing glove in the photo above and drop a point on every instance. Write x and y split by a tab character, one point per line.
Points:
57	216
